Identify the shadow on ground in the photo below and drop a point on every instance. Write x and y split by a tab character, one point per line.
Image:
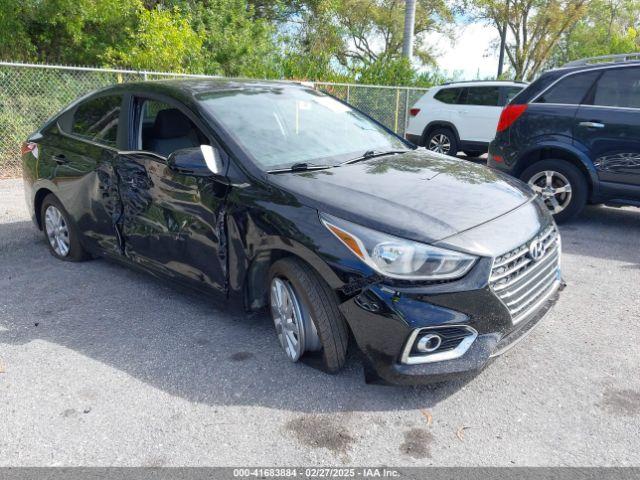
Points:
614	231
175	341
189	347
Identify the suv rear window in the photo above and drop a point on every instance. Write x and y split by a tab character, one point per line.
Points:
97	119
485	96
510	93
570	90
448	95
619	87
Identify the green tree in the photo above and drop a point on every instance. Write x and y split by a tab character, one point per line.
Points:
63	31
356	38
534	28
235	41
608	27
15	43
162	40
374	28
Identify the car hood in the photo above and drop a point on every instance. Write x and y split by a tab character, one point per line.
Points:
418	195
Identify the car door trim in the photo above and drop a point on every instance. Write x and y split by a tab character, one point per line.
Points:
85	140
156	156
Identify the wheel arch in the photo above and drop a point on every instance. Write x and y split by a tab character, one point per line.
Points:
37	204
560	152
431	126
255	285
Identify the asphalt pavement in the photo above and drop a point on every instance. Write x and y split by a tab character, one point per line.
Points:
104	366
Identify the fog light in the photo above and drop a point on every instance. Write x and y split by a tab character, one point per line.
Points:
429	343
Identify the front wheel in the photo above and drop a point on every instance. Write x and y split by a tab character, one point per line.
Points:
306	315
561	185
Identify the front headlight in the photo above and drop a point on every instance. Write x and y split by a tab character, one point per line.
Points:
396	257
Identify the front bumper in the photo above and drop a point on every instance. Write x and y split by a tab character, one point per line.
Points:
383	320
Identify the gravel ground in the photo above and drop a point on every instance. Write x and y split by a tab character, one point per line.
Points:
105	366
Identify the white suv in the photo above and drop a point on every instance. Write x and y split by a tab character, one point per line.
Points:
460	116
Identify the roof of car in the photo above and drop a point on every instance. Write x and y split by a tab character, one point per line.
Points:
592	66
191	87
483	83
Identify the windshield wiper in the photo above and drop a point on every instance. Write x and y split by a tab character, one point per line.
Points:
371	154
299	167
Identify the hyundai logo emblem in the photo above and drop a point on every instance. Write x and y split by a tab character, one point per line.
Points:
536	250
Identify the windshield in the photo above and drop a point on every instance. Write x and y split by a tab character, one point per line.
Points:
282	126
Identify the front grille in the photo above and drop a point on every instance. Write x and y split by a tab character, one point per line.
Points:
523	283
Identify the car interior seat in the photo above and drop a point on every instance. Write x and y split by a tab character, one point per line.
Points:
171	131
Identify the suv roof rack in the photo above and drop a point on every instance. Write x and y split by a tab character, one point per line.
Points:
484	81
617	58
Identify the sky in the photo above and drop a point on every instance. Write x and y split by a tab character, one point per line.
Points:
471	54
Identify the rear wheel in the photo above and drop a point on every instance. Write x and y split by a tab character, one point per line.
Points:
561	185
306	315
442	140
60	232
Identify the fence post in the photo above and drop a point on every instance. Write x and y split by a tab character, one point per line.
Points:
395	129
406	109
348	93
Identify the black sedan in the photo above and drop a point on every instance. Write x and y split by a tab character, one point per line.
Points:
272	194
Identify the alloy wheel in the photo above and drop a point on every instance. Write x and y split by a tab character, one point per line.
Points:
57	231
295	329
440	143
554	188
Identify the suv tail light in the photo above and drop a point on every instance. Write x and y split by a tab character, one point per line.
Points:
510	114
27	147
414	111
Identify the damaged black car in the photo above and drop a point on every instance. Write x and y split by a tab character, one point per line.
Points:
273	195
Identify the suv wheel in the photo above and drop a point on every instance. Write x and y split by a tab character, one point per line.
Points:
560	184
442	140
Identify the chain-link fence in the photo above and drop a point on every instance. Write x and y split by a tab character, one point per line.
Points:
30	94
389	105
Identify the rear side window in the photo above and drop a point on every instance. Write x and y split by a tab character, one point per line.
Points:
448	95
484	96
570	90
97	120
619	88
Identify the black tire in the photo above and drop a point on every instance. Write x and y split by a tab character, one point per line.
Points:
322	303
473	153
75	253
577	180
448	133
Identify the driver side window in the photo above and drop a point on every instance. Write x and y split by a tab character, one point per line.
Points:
163	129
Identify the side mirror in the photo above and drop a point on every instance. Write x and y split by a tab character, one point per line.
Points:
202	161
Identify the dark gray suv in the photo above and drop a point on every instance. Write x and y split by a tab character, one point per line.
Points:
574	135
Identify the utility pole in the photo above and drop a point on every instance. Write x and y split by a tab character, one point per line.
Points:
409	25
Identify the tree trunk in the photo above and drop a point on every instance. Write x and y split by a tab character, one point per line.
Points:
409	25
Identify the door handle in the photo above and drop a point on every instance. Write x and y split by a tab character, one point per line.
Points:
592	124
60	159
